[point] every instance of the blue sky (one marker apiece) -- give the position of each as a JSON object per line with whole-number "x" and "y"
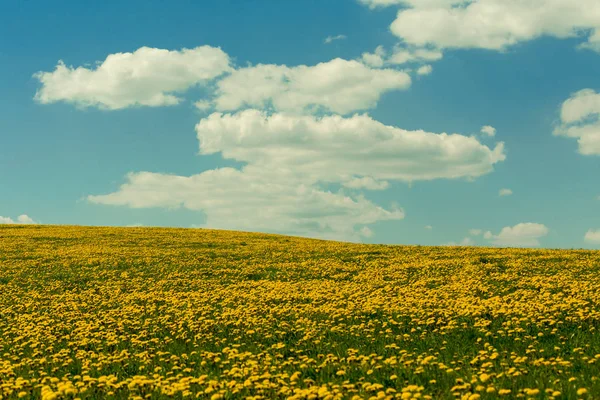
{"x": 265, "y": 125}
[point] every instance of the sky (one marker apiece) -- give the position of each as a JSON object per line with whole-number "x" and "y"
{"x": 431, "y": 122}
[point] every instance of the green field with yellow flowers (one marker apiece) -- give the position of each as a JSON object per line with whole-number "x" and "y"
{"x": 148, "y": 313}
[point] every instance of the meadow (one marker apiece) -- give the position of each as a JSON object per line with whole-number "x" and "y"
{"x": 151, "y": 313}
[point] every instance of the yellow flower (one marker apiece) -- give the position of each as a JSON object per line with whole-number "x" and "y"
{"x": 581, "y": 391}
{"x": 532, "y": 392}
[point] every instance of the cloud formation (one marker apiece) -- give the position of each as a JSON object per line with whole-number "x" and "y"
{"x": 488, "y": 130}
{"x": 147, "y": 77}
{"x": 525, "y": 234}
{"x": 327, "y": 148}
{"x": 288, "y": 158}
{"x": 505, "y": 192}
{"x": 255, "y": 199}
{"x": 330, "y": 39}
{"x": 467, "y": 241}
{"x": 580, "y": 119}
{"x": 21, "y": 219}
{"x": 338, "y": 86}
{"x": 592, "y": 236}
{"x": 414, "y": 3}
{"x": 399, "y": 55}
{"x": 424, "y": 70}
{"x": 494, "y": 24}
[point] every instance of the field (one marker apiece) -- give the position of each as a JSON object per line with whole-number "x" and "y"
{"x": 187, "y": 313}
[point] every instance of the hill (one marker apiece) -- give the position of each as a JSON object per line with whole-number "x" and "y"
{"x": 94, "y": 312}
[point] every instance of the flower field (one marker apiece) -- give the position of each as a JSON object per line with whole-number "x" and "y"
{"x": 149, "y": 313}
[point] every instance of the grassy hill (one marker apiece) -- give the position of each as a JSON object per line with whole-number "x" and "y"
{"x": 94, "y": 312}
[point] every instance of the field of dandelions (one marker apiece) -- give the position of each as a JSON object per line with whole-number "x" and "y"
{"x": 151, "y": 313}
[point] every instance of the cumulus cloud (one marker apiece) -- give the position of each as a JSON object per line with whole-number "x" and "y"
{"x": 414, "y": 3}
{"x": 375, "y": 59}
{"x": 21, "y": 219}
{"x": 488, "y": 130}
{"x": 147, "y": 77}
{"x": 467, "y": 241}
{"x": 330, "y": 39}
{"x": 380, "y": 3}
{"x": 592, "y": 236}
{"x": 403, "y": 55}
{"x": 475, "y": 232}
{"x": 254, "y": 199}
{"x": 203, "y": 105}
{"x": 424, "y": 70}
{"x": 327, "y": 148}
{"x": 521, "y": 235}
{"x": 428, "y": 227}
{"x": 288, "y": 156}
{"x": 580, "y": 119}
{"x": 505, "y": 192}
{"x": 339, "y": 86}
{"x": 366, "y": 231}
{"x": 494, "y": 24}
{"x": 399, "y": 55}
{"x": 365, "y": 182}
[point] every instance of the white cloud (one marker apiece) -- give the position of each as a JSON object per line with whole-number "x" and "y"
{"x": 375, "y": 59}
{"x": 21, "y": 219}
{"x": 580, "y": 119}
{"x": 521, "y": 235}
{"x": 366, "y": 231}
{"x": 288, "y": 156}
{"x": 592, "y": 236}
{"x": 6, "y": 220}
{"x": 134, "y": 225}
{"x": 493, "y": 24}
{"x": 327, "y": 149}
{"x": 403, "y": 55}
{"x": 203, "y": 105}
{"x": 505, "y": 192}
{"x": 475, "y": 232}
{"x": 380, "y": 3}
{"x": 428, "y": 227}
{"x": 488, "y": 130}
{"x": 399, "y": 55}
{"x": 421, "y": 3}
{"x": 339, "y": 86}
{"x": 254, "y": 199}
{"x": 330, "y": 39}
{"x": 467, "y": 241}
{"x": 365, "y": 182}
{"x": 424, "y": 70}
{"x": 146, "y": 77}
